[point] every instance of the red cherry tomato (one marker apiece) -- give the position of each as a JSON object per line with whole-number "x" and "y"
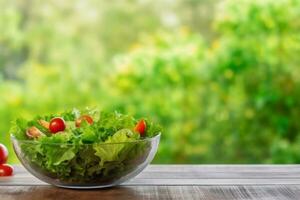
{"x": 6, "y": 170}
{"x": 86, "y": 118}
{"x": 140, "y": 127}
{"x": 3, "y": 154}
{"x": 57, "y": 124}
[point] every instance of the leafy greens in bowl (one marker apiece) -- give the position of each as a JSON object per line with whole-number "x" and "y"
{"x": 85, "y": 149}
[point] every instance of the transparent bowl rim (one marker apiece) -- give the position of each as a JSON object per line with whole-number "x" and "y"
{"x": 13, "y": 138}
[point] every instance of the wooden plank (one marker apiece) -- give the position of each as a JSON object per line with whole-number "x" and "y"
{"x": 193, "y": 175}
{"x": 279, "y": 192}
{"x": 291, "y": 169}
{"x": 224, "y": 168}
{"x": 173, "y": 182}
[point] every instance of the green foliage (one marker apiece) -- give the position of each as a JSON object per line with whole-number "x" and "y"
{"x": 227, "y": 95}
{"x": 161, "y": 78}
{"x": 255, "y": 66}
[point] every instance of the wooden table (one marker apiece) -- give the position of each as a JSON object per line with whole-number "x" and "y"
{"x": 172, "y": 182}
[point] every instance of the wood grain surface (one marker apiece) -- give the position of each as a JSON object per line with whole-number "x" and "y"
{"x": 173, "y": 182}
{"x": 279, "y": 192}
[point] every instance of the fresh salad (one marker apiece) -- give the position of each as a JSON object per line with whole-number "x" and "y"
{"x": 84, "y": 145}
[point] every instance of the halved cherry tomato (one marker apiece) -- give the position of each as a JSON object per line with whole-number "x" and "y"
{"x": 86, "y": 118}
{"x": 33, "y": 132}
{"x": 44, "y": 123}
{"x": 57, "y": 124}
{"x": 6, "y": 170}
{"x": 3, "y": 154}
{"x": 140, "y": 127}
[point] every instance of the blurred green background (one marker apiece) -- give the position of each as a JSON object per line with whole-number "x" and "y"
{"x": 222, "y": 77}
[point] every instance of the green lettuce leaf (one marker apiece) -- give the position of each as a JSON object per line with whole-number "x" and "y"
{"x": 122, "y": 141}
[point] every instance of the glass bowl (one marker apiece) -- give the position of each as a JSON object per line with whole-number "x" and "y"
{"x": 86, "y": 166}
